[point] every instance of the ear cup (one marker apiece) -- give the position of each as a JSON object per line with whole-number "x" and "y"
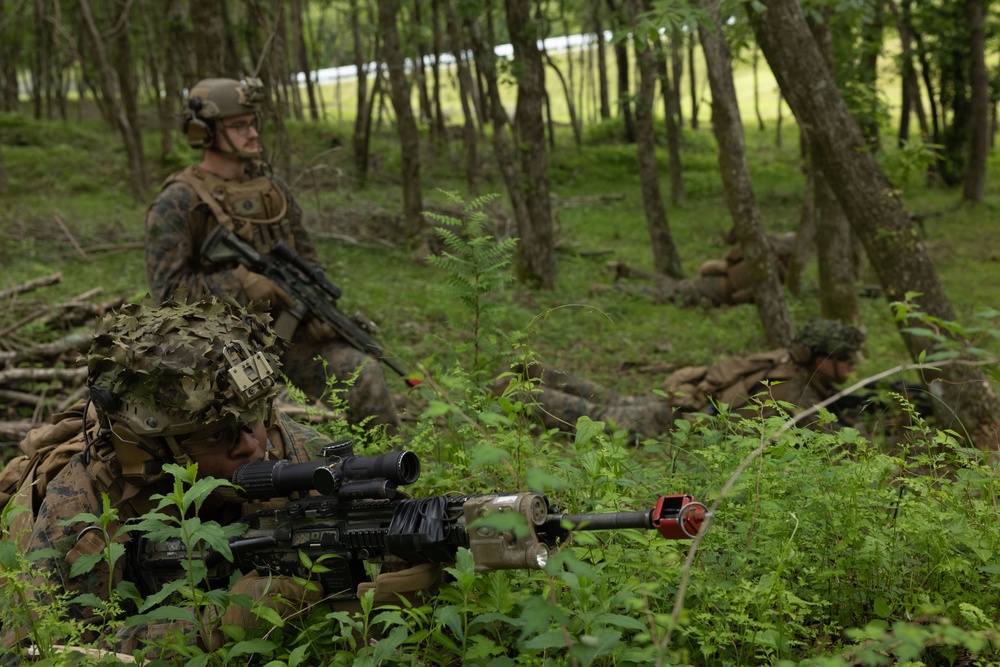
{"x": 199, "y": 133}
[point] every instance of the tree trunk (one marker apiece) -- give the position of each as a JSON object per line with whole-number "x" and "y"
{"x": 3, "y": 175}
{"x": 486, "y": 67}
{"x": 570, "y": 104}
{"x": 692, "y": 81}
{"x": 406, "y": 124}
{"x": 128, "y": 85}
{"x": 875, "y": 213}
{"x": 621, "y": 60}
{"x": 677, "y": 196}
{"x": 302, "y": 55}
{"x": 727, "y": 125}
{"x": 464, "y": 94}
{"x": 209, "y": 44}
{"x": 666, "y": 260}
{"x": 805, "y": 235}
{"x": 676, "y": 72}
{"x": 602, "y": 61}
{"x": 979, "y": 107}
{"x": 838, "y": 296}
{"x": 109, "y": 91}
{"x": 536, "y": 262}
{"x": 359, "y": 140}
{"x": 11, "y": 37}
{"x": 438, "y": 124}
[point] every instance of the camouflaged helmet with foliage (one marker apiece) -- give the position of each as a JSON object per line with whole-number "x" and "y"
{"x": 827, "y": 338}
{"x": 175, "y": 367}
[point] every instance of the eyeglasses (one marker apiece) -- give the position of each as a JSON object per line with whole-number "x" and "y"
{"x": 243, "y": 127}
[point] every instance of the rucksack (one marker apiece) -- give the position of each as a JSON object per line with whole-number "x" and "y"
{"x": 45, "y": 452}
{"x": 731, "y": 380}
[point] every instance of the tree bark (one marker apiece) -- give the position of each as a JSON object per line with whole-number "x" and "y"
{"x": 602, "y": 61}
{"x": 875, "y": 213}
{"x": 536, "y": 263}
{"x": 486, "y": 67}
{"x": 359, "y": 140}
{"x": 406, "y": 125}
{"x": 974, "y": 182}
{"x": 109, "y": 92}
{"x": 209, "y": 39}
{"x": 464, "y": 94}
{"x": 692, "y": 81}
{"x": 677, "y": 194}
{"x": 769, "y": 295}
{"x": 302, "y": 55}
{"x": 666, "y": 260}
{"x": 621, "y": 60}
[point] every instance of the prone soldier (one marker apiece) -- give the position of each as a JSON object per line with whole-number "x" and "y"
{"x": 820, "y": 357}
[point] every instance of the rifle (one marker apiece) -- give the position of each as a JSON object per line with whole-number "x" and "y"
{"x": 311, "y": 292}
{"x": 359, "y": 515}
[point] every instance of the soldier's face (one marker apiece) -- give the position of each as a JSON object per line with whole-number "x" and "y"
{"x": 242, "y": 134}
{"x": 219, "y": 452}
{"x": 835, "y": 371}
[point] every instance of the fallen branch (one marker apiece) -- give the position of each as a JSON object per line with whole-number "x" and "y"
{"x": 30, "y": 285}
{"x": 21, "y": 375}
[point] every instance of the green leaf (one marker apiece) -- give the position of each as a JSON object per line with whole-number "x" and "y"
{"x": 546, "y": 640}
{"x": 587, "y": 429}
{"x": 260, "y": 647}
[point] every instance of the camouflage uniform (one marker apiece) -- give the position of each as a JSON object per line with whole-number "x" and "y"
{"x": 78, "y": 488}
{"x": 784, "y": 375}
{"x": 177, "y": 224}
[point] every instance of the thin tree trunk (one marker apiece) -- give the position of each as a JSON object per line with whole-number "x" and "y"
{"x": 621, "y": 60}
{"x": 109, "y": 91}
{"x": 677, "y": 195}
{"x": 727, "y": 125}
{"x": 486, "y": 67}
{"x": 302, "y": 54}
{"x": 876, "y": 215}
{"x": 666, "y": 260}
{"x": 692, "y": 81}
{"x": 570, "y": 104}
{"x": 974, "y": 182}
{"x": 602, "y": 61}
{"x": 360, "y": 138}
{"x": 438, "y": 124}
{"x": 406, "y": 124}
{"x": 536, "y": 263}
{"x": 468, "y": 113}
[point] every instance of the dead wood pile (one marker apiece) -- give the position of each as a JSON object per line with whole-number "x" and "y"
{"x": 40, "y": 345}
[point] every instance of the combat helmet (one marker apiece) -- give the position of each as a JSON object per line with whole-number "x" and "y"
{"x": 827, "y": 338}
{"x": 160, "y": 372}
{"x": 210, "y": 100}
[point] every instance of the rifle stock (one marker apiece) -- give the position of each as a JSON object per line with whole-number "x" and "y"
{"x": 359, "y": 515}
{"x": 312, "y": 294}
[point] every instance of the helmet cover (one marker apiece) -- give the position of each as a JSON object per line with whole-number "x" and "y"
{"x": 830, "y": 338}
{"x": 175, "y": 368}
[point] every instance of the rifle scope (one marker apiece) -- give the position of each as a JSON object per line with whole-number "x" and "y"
{"x": 345, "y": 477}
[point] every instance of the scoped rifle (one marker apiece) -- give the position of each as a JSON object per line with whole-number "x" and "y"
{"x": 311, "y": 292}
{"x": 359, "y": 515}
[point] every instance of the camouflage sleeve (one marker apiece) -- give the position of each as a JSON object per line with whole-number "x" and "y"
{"x": 300, "y": 442}
{"x": 72, "y": 492}
{"x": 173, "y": 252}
